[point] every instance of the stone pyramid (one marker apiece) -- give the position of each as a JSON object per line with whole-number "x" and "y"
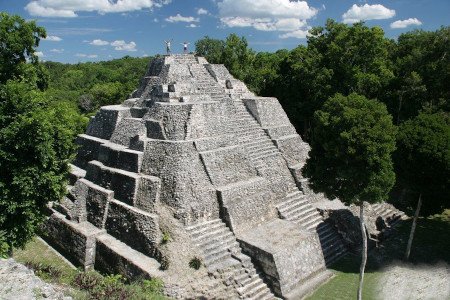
{"x": 195, "y": 167}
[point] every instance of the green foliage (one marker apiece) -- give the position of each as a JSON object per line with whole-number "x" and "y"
{"x": 18, "y": 40}
{"x": 350, "y": 155}
{"x": 165, "y": 238}
{"x": 44, "y": 270}
{"x": 211, "y": 49}
{"x": 4, "y": 247}
{"x": 35, "y": 146}
{"x": 421, "y": 63}
{"x": 195, "y": 263}
{"x": 153, "y": 286}
{"x": 422, "y": 160}
{"x": 91, "y": 85}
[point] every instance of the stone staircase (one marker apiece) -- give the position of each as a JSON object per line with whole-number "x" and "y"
{"x": 296, "y": 208}
{"x": 333, "y": 247}
{"x": 223, "y": 258}
{"x": 205, "y": 83}
{"x": 250, "y": 135}
{"x": 390, "y": 214}
{"x": 184, "y": 58}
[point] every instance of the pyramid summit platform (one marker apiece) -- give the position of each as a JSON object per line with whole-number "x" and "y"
{"x": 194, "y": 166}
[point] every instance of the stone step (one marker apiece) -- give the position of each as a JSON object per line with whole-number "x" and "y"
{"x": 299, "y": 213}
{"x": 226, "y": 264}
{"x": 263, "y": 154}
{"x": 220, "y": 253}
{"x": 314, "y": 222}
{"x": 329, "y": 250}
{"x": 292, "y": 205}
{"x": 258, "y": 143}
{"x": 212, "y": 244}
{"x": 249, "y": 284}
{"x": 194, "y": 227}
{"x": 262, "y": 294}
{"x": 330, "y": 240}
{"x": 262, "y": 149}
{"x": 290, "y": 198}
{"x": 210, "y": 263}
{"x": 325, "y": 228}
{"x": 334, "y": 256}
{"x": 247, "y": 128}
{"x": 216, "y": 234}
{"x": 250, "y": 137}
{"x": 256, "y": 289}
{"x": 223, "y": 244}
{"x": 325, "y": 235}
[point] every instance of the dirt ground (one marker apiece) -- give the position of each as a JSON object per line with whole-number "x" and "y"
{"x": 408, "y": 281}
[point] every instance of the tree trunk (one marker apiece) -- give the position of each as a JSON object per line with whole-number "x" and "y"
{"x": 413, "y": 227}
{"x": 363, "y": 249}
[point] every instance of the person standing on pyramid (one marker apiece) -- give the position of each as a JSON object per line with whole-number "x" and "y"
{"x": 168, "y": 46}
{"x": 185, "y": 47}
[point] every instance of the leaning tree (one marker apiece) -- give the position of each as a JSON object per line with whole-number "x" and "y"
{"x": 422, "y": 164}
{"x": 350, "y": 155}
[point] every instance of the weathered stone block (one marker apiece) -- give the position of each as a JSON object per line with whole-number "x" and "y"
{"x": 294, "y": 150}
{"x": 286, "y": 254}
{"x": 247, "y": 203}
{"x": 126, "y": 129}
{"x": 88, "y": 149}
{"x": 75, "y": 240}
{"x": 97, "y": 204}
{"x": 135, "y": 227}
{"x": 120, "y": 157}
{"x": 123, "y": 183}
{"x": 115, "y": 257}
{"x": 267, "y": 111}
{"x": 227, "y": 165}
{"x": 148, "y": 193}
{"x": 105, "y": 121}
{"x": 280, "y": 131}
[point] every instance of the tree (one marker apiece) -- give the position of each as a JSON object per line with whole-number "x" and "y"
{"x": 422, "y": 162}
{"x": 211, "y": 49}
{"x": 237, "y": 57}
{"x": 35, "y": 137}
{"x": 35, "y": 147}
{"x": 18, "y": 40}
{"x": 425, "y": 53}
{"x": 350, "y": 155}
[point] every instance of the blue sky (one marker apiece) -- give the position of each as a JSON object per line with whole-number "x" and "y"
{"x": 93, "y": 30}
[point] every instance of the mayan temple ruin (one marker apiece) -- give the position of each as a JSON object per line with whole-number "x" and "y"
{"x": 196, "y": 169}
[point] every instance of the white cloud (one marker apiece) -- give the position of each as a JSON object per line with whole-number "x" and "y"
{"x": 266, "y": 8}
{"x": 192, "y": 25}
{"x": 86, "y": 55}
{"x": 298, "y": 34}
{"x": 98, "y": 42}
{"x": 69, "y": 8}
{"x": 180, "y": 18}
{"x": 202, "y": 11}
{"x": 268, "y": 15}
{"x": 121, "y": 45}
{"x": 39, "y": 54}
{"x": 367, "y": 12}
{"x": 53, "y": 38}
{"x": 57, "y": 50}
{"x": 406, "y": 23}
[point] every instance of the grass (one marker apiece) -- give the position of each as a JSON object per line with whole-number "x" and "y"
{"x": 430, "y": 245}
{"x": 81, "y": 285}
